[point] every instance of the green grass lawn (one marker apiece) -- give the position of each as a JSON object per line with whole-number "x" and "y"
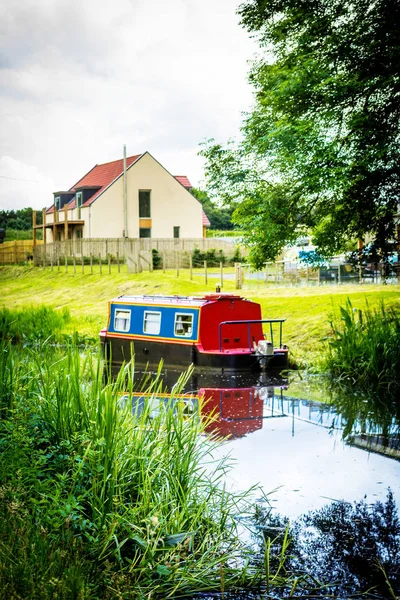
{"x": 306, "y": 310}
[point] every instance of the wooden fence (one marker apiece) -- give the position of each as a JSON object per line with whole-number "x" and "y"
{"x": 136, "y": 253}
{"x": 17, "y": 252}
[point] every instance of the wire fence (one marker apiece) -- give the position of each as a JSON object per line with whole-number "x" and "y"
{"x": 289, "y": 273}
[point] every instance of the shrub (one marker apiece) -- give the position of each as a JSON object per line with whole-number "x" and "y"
{"x": 157, "y": 260}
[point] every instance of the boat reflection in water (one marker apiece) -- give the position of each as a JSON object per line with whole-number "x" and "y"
{"x": 231, "y": 406}
{"x": 236, "y": 404}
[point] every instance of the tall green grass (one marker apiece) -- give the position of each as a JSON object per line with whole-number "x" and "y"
{"x": 106, "y": 500}
{"x": 364, "y": 346}
{"x": 33, "y": 323}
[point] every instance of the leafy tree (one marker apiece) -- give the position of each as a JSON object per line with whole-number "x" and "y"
{"x": 220, "y": 218}
{"x": 320, "y": 149}
{"x": 20, "y": 220}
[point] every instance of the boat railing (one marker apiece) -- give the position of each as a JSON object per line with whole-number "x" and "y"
{"x": 249, "y": 323}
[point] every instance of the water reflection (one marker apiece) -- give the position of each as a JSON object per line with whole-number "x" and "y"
{"x": 240, "y": 403}
{"x": 303, "y": 438}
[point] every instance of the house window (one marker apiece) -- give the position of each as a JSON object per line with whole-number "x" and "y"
{"x": 122, "y": 320}
{"x": 79, "y": 197}
{"x": 144, "y": 204}
{"x": 176, "y": 232}
{"x": 79, "y": 234}
{"x": 57, "y": 202}
{"x": 183, "y": 324}
{"x": 144, "y": 232}
{"x": 152, "y": 322}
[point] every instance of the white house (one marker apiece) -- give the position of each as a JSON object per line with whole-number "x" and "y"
{"x": 146, "y": 201}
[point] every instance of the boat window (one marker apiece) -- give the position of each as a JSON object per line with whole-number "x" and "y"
{"x": 122, "y": 320}
{"x": 183, "y": 324}
{"x": 152, "y": 322}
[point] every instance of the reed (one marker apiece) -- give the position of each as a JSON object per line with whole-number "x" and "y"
{"x": 106, "y": 498}
{"x": 364, "y": 346}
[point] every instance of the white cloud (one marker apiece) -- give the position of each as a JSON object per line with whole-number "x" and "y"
{"x": 80, "y": 79}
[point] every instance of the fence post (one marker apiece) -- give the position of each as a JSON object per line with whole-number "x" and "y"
{"x": 119, "y": 268}
{"x": 221, "y": 274}
{"x": 177, "y": 262}
{"x": 205, "y": 272}
{"x": 360, "y": 279}
{"x": 190, "y": 267}
{"x": 163, "y": 262}
{"x": 101, "y": 266}
{"x": 51, "y": 262}
{"x": 307, "y": 275}
{"x": 91, "y": 263}
{"x": 319, "y": 276}
{"x": 109, "y": 264}
{"x": 339, "y": 280}
{"x": 83, "y": 264}
{"x": 74, "y": 261}
{"x": 58, "y": 264}
{"x": 238, "y": 276}
{"x": 66, "y": 263}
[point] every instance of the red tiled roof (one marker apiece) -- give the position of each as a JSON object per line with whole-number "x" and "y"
{"x": 103, "y": 175}
{"x": 183, "y": 180}
{"x": 206, "y": 222}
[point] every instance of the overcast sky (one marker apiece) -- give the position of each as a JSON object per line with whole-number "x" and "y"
{"x": 81, "y": 78}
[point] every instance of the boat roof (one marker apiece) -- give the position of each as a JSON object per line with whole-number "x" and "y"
{"x": 175, "y": 300}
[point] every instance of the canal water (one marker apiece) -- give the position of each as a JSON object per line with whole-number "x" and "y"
{"x": 303, "y": 453}
{"x": 325, "y": 460}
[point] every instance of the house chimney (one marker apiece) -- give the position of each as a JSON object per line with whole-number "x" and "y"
{"x": 125, "y": 198}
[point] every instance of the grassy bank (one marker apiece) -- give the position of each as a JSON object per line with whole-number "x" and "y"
{"x": 307, "y": 310}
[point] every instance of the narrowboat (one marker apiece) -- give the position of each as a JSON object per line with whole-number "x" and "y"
{"x": 216, "y": 331}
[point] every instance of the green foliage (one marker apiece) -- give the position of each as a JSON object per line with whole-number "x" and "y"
{"x": 365, "y": 346}
{"x": 32, "y": 324}
{"x": 21, "y": 234}
{"x": 157, "y": 260}
{"x": 213, "y": 257}
{"x": 219, "y": 217}
{"x": 18, "y": 219}
{"x": 99, "y": 495}
{"x": 320, "y": 148}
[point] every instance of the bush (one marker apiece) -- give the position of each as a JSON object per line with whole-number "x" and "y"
{"x": 157, "y": 260}
{"x": 212, "y": 256}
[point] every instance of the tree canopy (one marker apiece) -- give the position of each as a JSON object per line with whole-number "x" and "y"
{"x": 20, "y": 220}
{"x": 219, "y": 217}
{"x": 320, "y": 148}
